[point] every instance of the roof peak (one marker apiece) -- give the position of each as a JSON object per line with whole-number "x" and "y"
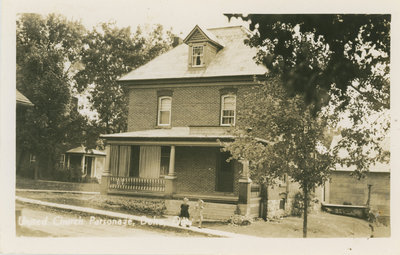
{"x": 207, "y": 36}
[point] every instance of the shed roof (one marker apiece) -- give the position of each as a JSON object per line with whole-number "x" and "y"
{"x": 235, "y": 59}
{"x": 23, "y": 100}
{"x": 82, "y": 150}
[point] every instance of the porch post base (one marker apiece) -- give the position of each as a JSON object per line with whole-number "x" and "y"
{"x": 244, "y": 209}
{"x": 105, "y": 183}
{"x": 244, "y": 190}
{"x": 170, "y": 185}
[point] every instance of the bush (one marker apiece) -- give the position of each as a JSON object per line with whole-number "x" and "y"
{"x": 298, "y": 206}
{"x": 141, "y": 207}
{"x": 240, "y": 220}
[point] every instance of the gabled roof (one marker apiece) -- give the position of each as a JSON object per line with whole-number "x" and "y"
{"x": 235, "y": 59}
{"x": 82, "y": 150}
{"x": 22, "y": 100}
{"x": 199, "y": 34}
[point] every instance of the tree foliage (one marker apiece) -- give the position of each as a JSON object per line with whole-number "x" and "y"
{"x": 348, "y": 48}
{"x": 46, "y": 48}
{"x": 279, "y": 135}
{"x": 109, "y": 52}
{"x": 340, "y": 63}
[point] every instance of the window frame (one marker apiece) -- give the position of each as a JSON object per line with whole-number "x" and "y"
{"x": 201, "y": 56}
{"x": 159, "y": 111}
{"x": 62, "y": 160}
{"x": 222, "y": 111}
{"x": 32, "y": 158}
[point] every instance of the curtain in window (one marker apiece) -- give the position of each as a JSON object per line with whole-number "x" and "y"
{"x": 114, "y": 158}
{"x": 124, "y": 160}
{"x": 149, "y": 163}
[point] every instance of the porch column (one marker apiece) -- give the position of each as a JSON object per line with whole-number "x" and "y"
{"x": 245, "y": 189}
{"x": 106, "y": 176}
{"x": 170, "y": 179}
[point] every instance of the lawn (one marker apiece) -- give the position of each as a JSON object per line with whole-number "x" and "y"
{"x": 122, "y": 204}
{"x": 321, "y": 225}
{"x": 24, "y": 183}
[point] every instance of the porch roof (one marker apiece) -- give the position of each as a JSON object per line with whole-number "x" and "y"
{"x": 82, "y": 150}
{"x": 180, "y": 133}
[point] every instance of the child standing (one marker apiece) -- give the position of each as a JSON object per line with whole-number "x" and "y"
{"x": 184, "y": 215}
{"x": 199, "y": 212}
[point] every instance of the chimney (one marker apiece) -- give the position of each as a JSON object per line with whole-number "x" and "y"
{"x": 176, "y": 41}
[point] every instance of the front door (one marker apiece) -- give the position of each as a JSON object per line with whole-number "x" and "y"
{"x": 224, "y": 173}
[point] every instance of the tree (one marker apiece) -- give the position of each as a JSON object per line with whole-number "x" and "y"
{"x": 332, "y": 67}
{"x": 279, "y": 135}
{"x": 47, "y": 48}
{"x": 109, "y": 52}
{"x": 355, "y": 49}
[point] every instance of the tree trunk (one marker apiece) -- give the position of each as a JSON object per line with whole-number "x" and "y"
{"x": 264, "y": 201}
{"x": 305, "y": 214}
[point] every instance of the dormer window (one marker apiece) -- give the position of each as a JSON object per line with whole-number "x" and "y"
{"x": 198, "y": 56}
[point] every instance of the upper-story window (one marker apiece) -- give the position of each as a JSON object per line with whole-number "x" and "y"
{"x": 228, "y": 110}
{"x": 164, "y": 111}
{"x": 198, "y": 56}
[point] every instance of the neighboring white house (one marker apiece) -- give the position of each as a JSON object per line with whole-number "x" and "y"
{"x": 91, "y": 161}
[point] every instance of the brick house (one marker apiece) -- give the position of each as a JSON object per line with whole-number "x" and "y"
{"x": 181, "y": 105}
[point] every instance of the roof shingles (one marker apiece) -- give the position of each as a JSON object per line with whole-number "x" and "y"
{"x": 234, "y": 59}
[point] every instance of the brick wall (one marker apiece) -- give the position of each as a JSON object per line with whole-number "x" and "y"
{"x": 195, "y": 168}
{"x": 345, "y": 188}
{"x": 191, "y": 106}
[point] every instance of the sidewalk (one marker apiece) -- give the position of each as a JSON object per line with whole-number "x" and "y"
{"x": 162, "y": 223}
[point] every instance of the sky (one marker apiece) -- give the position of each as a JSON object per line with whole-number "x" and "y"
{"x": 181, "y": 16}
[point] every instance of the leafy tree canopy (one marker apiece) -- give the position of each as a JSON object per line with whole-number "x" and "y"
{"x": 349, "y": 50}
{"x": 108, "y": 53}
{"x": 47, "y": 47}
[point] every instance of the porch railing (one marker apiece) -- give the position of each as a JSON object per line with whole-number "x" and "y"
{"x": 255, "y": 190}
{"x": 137, "y": 184}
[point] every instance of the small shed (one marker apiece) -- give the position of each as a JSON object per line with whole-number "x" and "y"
{"x": 90, "y": 161}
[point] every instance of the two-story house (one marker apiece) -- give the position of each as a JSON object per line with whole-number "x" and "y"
{"x": 181, "y": 105}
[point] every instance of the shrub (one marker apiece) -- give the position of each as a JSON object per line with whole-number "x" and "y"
{"x": 298, "y": 205}
{"x": 240, "y": 220}
{"x": 141, "y": 207}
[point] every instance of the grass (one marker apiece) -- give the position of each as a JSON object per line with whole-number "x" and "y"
{"x": 320, "y": 225}
{"x": 25, "y": 183}
{"x": 122, "y": 204}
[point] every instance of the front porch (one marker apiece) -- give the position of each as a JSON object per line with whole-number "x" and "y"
{"x": 169, "y": 167}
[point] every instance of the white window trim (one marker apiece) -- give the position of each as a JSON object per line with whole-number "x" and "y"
{"x": 32, "y": 158}
{"x": 222, "y": 111}
{"x": 159, "y": 111}
{"x": 194, "y": 64}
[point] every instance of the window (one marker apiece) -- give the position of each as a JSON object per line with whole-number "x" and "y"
{"x": 62, "y": 161}
{"x": 228, "y": 109}
{"x": 164, "y": 111}
{"x": 197, "y": 56}
{"x": 32, "y": 158}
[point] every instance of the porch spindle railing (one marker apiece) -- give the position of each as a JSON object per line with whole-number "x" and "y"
{"x": 137, "y": 184}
